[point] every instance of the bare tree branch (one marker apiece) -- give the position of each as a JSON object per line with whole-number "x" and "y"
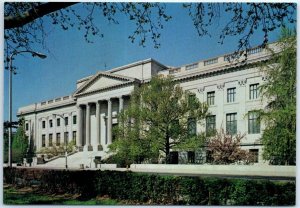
{"x": 34, "y": 13}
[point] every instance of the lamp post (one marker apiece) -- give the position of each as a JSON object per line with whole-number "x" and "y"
{"x": 66, "y": 151}
{"x": 11, "y": 71}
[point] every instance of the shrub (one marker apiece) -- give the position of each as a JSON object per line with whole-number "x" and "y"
{"x": 156, "y": 189}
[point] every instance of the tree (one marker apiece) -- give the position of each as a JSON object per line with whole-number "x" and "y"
{"x": 25, "y": 22}
{"x": 279, "y": 136}
{"x": 226, "y": 149}
{"x": 56, "y": 150}
{"x": 19, "y": 143}
{"x": 161, "y": 117}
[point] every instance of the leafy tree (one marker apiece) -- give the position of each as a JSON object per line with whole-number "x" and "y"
{"x": 19, "y": 143}
{"x": 279, "y": 136}
{"x": 225, "y": 149}
{"x": 26, "y": 23}
{"x": 160, "y": 118}
{"x": 55, "y": 150}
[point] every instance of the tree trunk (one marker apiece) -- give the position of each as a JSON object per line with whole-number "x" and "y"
{"x": 167, "y": 150}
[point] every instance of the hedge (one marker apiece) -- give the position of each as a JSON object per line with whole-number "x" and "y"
{"x": 155, "y": 189}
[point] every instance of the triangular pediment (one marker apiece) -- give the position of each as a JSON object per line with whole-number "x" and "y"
{"x": 102, "y": 80}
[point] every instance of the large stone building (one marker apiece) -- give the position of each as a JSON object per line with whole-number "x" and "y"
{"x": 88, "y": 115}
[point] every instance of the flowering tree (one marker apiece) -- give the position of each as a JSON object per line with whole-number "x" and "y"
{"x": 225, "y": 149}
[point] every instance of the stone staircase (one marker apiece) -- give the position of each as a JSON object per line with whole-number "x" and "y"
{"x": 75, "y": 160}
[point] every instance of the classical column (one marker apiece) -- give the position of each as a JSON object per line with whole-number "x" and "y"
{"x": 109, "y": 122}
{"x": 70, "y": 127}
{"x": 98, "y": 127}
{"x": 79, "y": 129}
{"x": 47, "y": 126}
{"x": 121, "y": 103}
{"x": 88, "y": 127}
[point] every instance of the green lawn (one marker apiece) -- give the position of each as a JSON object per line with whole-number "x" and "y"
{"x": 13, "y": 196}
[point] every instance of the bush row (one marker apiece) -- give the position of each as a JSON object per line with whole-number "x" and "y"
{"x": 156, "y": 189}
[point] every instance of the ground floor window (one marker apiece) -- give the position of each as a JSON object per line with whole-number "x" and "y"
{"x": 209, "y": 158}
{"x": 173, "y": 157}
{"x": 74, "y": 137}
{"x": 254, "y": 152}
{"x": 66, "y": 138}
{"x": 50, "y": 140}
{"x": 43, "y": 140}
{"x": 58, "y": 139}
{"x": 191, "y": 157}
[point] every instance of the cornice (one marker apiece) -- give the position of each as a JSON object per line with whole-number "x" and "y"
{"x": 42, "y": 109}
{"x": 94, "y": 78}
{"x": 105, "y": 89}
{"x": 218, "y": 71}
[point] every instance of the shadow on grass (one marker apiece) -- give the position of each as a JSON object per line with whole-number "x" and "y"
{"x": 14, "y": 196}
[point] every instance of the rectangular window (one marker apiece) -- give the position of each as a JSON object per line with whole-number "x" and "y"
{"x": 191, "y": 157}
{"x": 210, "y": 61}
{"x": 26, "y": 126}
{"x": 66, "y": 138}
{"x": 231, "y": 123}
{"x": 191, "y": 66}
{"x": 74, "y": 137}
{"x": 43, "y": 124}
{"x": 74, "y": 119}
{"x": 231, "y": 95}
{"x": 192, "y": 126}
{"x": 254, "y": 152}
{"x": 50, "y": 140}
{"x": 254, "y": 50}
{"x": 210, "y": 125}
{"x": 211, "y": 98}
{"x": 57, "y": 139}
{"x": 253, "y": 91}
{"x": 253, "y": 123}
{"x": 50, "y": 123}
{"x": 43, "y": 140}
{"x": 58, "y": 122}
{"x": 66, "y": 121}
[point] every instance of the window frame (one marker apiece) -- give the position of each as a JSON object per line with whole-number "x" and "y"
{"x": 231, "y": 123}
{"x": 253, "y": 123}
{"x": 193, "y": 121}
{"x": 253, "y": 91}
{"x": 209, "y": 124}
{"x": 43, "y": 140}
{"x": 66, "y": 137}
{"x": 57, "y": 139}
{"x": 58, "y": 122}
{"x": 74, "y": 119}
{"x": 231, "y": 94}
{"x": 66, "y": 119}
{"x": 50, "y": 140}
{"x": 210, "y": 97}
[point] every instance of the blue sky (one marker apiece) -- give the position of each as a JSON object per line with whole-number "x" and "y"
{"x": 72, "y": 58}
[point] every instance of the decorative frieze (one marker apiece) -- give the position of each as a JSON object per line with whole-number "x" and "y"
{"x": 265, "y": 78}
{"x": 221, "y": 86}
{"x": 242, "y": 82}
{"x": 201, "y": 89}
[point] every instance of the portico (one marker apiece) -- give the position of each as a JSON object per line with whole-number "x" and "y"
{"x": 95, "y": 121}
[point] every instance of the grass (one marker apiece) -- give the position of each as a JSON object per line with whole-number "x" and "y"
{"x": 26, "y": 196}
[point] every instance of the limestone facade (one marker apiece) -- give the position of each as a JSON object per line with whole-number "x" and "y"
{"x": 88, "y": 115}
